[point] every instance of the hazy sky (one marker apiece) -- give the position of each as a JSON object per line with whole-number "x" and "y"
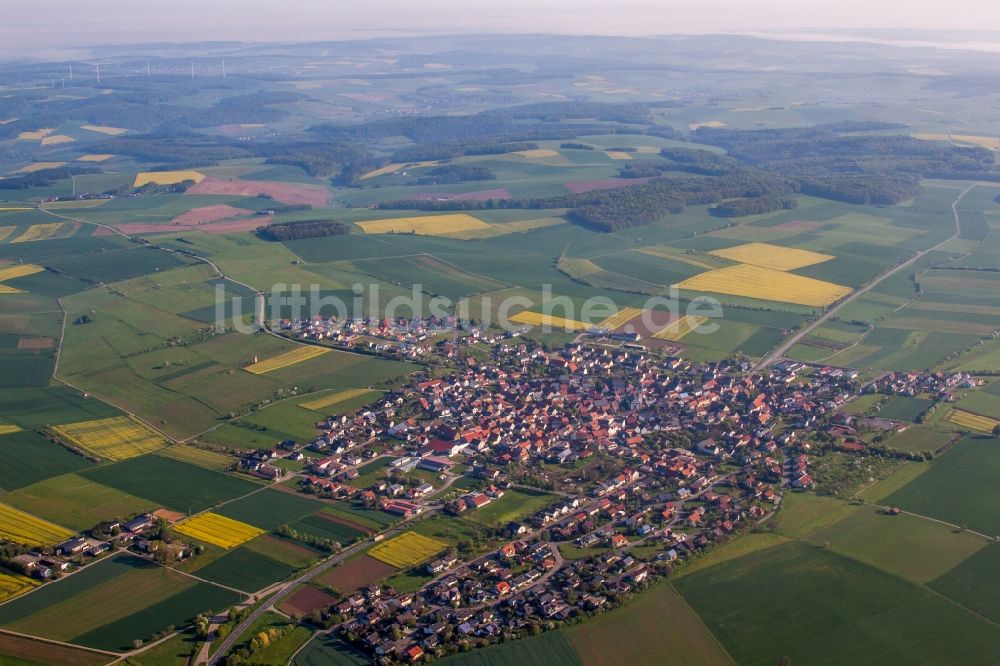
{"x": 51, "y": 25}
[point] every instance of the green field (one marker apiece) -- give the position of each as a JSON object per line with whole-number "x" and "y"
{"x": 904, "y": 408}
{"x": 801, "y": 514}
{"x": 814, "y": 606}
{"x": 77, "y": 502}
{"x": 919, "y": 438}
{"x": 326, "y": 650}
{"x": 550, "y": 648}
{"x": 244, "y": 569}
{"x": 970, "y": 582}
{"x": 170, "y": 483}
{"x": 682, "y": 639}
{"x": 326, "y": 529}
{"x": 90, "y": 609}
{"x": 35, "y": 407}
{"x": 915, "y": 548}
{"x": 269, "y": 509}
{"x": 960, "y": 487}
{"x": 37, "y": 459}
{"x": 514, "y": 505}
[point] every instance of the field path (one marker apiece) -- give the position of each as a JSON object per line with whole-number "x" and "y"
{"x": 309, "y": 574}
{"x": 778, "y": 353}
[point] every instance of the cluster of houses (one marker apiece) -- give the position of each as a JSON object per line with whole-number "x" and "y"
{"x": 410, "y": 337}
{"x": 76, "y": 551}
{"x": 939, "y": 384}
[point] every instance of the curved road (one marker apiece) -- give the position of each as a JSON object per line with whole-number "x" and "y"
{"x": 787, "y": 344}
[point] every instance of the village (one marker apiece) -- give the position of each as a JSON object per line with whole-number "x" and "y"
{"x": 641, "y": 462}
{"x": 641, "y": 454}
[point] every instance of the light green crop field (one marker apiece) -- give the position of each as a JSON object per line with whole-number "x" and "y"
{"x": 760, "y": 606}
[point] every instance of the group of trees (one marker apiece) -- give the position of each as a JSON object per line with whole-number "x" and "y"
{"x": 44, "y": 177}
{"x": 626, "y": 207}
{"x": 323, "y": 543}
{"x": 453, "y": 173}
{"x": 286, "y": 231}
{"x": 845, "y": 162}
{"x": 751, "y": 206}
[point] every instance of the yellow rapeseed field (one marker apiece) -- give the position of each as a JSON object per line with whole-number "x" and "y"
{"x": 102, "y": 129}
{"x": 620, "y": 318}
{"x": 535, "y": 319}
{"x": 56, "y": 139}
{"x": 38, "y": 166}
{"x": 407, "y": 550}
{"x": 575, "y": 267}
{"x": 991, "y": 142}
{"x": 971, "y": 420}
{"x": 115, "y": 438}
{"x": 18, "y": 270}
{"x": 396, "y": 166}
{"x": 11, "y": 585}
{"x": 772, "y": 256}
{"x": 6, "y": 231}
{"x": 21, "y": 527}
{"x": 297, "y": 355}
{"x": 6, "y": 428}
{"x": 537, "y": 152}
{"x": 167, "y": 177}
{"x": 98, "y": 157}
{"x": 36, "y": 135}
{"x": 674, "y": 254}
{"x": 768, "y": 284}
{"x": 712, "y": 124}
{"x": 680, "y": 327}
{"x": 618, "y": 154}
{"x": 217, "y": 530}
{"x": 333, "y": 399}
{"x": 39, "y": 232}
{"x": 7, "y": 289}
{"x": 426, "y": 225}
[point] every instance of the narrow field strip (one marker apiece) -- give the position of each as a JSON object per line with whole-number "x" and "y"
{"x": 535, "y": 319}
{"x": 676, "y": 330}
{"x": 18, "y": 270}
{"x": 971, "y": 420}
{"x": 297, "y": 355}
{"x": 327, "y": 401}
{"x": 620, "y": 318}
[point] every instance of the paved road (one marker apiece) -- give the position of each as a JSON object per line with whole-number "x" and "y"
{"x": 785, "y": 346}
{"x": 230, "y": 640}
